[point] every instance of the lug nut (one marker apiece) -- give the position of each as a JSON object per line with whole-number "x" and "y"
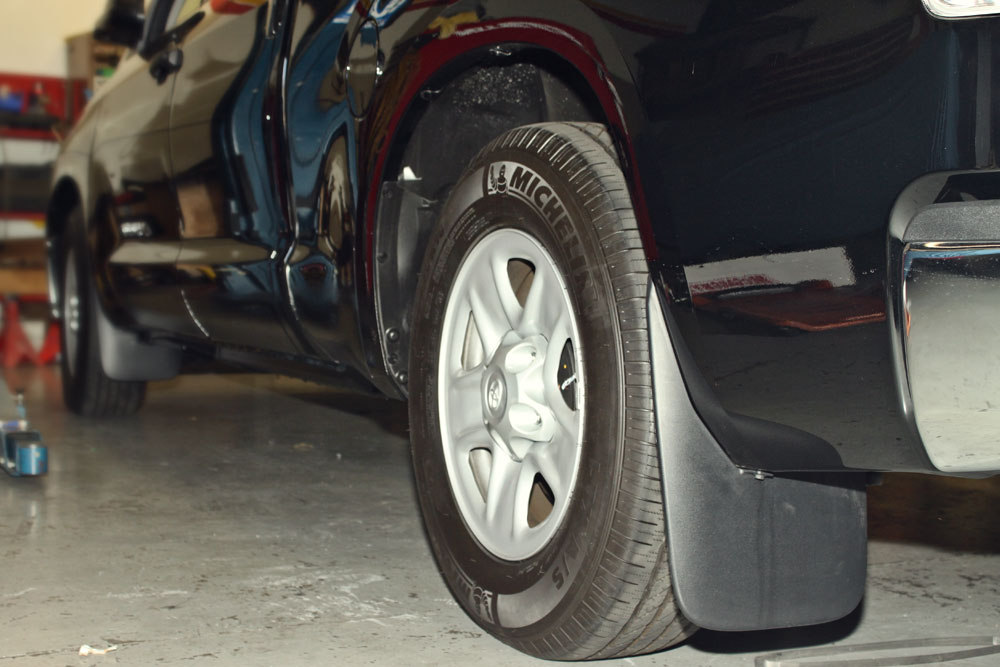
{"x": 524, "y": 418}
{"x": 520, "y": 357}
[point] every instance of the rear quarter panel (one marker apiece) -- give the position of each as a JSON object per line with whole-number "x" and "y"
{"x": 775, "y": 140}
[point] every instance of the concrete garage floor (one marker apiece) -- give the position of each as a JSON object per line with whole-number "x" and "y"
{"x": 253, "y": 520}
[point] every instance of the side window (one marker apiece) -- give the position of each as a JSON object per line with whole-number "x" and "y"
{"x": 182, "y": 11}
{"x": 161, "y": 17}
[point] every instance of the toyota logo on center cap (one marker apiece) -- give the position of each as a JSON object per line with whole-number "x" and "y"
{"x": 494, "y": 396}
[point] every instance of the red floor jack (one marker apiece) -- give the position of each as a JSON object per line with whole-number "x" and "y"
{"x": 22, "y": 453}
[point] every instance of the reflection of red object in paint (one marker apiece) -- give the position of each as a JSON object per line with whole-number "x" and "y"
{"x": 710, "y": 287}
{"x": 235, "y": 6}
{"x": 314, "y": 271}
{"x": 809, "y": 306}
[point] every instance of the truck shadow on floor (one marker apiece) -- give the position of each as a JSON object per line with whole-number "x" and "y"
{"x": 946, "y": 512}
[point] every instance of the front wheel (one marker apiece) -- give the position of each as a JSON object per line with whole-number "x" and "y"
{"x": 531, "y": 406}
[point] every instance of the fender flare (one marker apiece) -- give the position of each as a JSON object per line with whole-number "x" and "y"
{"x": 457, "y": 45}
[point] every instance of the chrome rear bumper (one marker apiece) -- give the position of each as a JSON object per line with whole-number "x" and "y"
{"x": 948, "y": 322}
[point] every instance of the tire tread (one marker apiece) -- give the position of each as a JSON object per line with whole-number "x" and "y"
{"x": 629, "y": 608}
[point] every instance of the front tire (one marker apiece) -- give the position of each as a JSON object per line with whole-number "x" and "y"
{"x": 531, "y": 405}
{"x": 87, "y": 390}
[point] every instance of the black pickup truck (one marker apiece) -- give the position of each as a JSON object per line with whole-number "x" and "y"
{"x": 664, "y": 283}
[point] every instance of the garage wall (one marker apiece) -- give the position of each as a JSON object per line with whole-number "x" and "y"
{"x": 32, "y": 33}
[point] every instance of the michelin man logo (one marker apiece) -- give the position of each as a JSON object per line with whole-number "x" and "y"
{"x": 516, "y": 180}
{"x": 498, "y": 185}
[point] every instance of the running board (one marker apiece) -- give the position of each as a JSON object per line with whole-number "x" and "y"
{"x": 750, "y": 550}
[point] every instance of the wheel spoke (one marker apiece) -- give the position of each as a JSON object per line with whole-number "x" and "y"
{"x": 487, "y": 308}
{"x": 536, "y": 306}
{"x": 505, "y": 292}
{"x": 554, "y": 461}
{"x": 469, "y": 439}
{"x": 463, "y": 461}
{"x": 457, "y": 340}
{"x": 503, "y": 496}
{"x": 465, "y": 409}
{"x": 557, "y": 336}
{"x": 544, "y": 305}
{"x": 522, "y": 498}
{"x": 569, "y": 420}
{"x": 466, "y": 383}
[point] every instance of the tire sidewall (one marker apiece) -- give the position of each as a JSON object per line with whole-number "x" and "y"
{"x": 74, "y": 371}
{"x": 555, "y": 577}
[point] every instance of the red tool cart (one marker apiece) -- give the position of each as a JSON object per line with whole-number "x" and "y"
{"x": 34, "y": 113}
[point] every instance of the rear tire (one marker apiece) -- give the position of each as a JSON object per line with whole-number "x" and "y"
{"x": 567, "y": 559}
{"x": 87, "y": 390}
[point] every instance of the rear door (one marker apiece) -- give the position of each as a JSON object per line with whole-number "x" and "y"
{"x": 232, "y": 230}
{"x": 332, "y": 73}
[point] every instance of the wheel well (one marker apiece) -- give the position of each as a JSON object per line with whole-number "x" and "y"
{"x": 469, "y": 108}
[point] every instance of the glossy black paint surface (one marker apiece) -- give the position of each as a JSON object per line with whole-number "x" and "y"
{"x": 784, "y": 139}
{"x": 321, "y": 269}
{"x": 233, "y": 233}
{"x": 765, "y": 142}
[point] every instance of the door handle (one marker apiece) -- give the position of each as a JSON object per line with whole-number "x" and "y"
{"x": 166, "y": 64}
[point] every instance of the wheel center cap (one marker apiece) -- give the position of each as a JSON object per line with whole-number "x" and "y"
{"x": 494, "y": 396}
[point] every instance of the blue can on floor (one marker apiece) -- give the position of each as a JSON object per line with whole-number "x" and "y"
{"x": 23, "y": 454}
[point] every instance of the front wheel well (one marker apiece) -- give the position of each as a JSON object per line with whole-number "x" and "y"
{"x": 454, "y": 117}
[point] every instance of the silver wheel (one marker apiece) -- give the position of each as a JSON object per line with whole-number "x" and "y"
{"x": 535, "y": 449}
{"x": 71, "y": 309}
{"x": 510, "y": 394}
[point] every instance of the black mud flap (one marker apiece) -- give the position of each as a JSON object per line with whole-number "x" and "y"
{"x": 748, "y": 550}
{"x": 124, "y": 357}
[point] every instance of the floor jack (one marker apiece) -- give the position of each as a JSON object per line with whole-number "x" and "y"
{"x": 22, "y": 453}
